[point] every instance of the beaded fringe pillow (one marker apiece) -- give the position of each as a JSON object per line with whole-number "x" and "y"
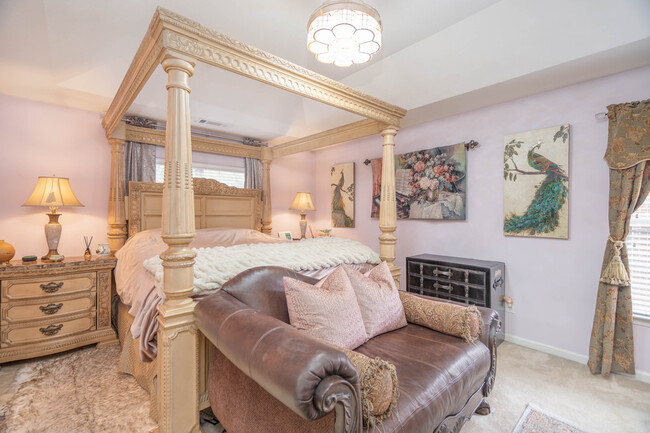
{"x": 328, "y": 311}
{"x": 460, "y": 321}
{"x": 378, "y": 299}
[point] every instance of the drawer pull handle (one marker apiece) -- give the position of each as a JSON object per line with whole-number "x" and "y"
{"x": 51, "y": 330}
{"x": 51, "y": 287}
{"x": 51, "y": 308}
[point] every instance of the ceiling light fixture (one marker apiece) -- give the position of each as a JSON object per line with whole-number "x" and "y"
{"x": 344, "y": 32}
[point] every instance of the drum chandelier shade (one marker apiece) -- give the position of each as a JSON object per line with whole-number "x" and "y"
{"x": 344, "y": 32}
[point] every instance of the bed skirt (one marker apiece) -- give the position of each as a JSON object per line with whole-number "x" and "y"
{"x": 145, "y": 373}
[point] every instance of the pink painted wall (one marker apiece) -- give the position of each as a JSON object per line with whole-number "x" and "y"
{"x": 289, "y": 175}
{"x": 553, "y": 282}
{"x": 38, "y": 139}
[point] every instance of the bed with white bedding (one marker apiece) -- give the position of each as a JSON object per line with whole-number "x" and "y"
{"x": 221, "y": 253}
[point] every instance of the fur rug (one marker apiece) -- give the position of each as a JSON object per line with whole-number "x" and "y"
{"x": 64, "y": 393}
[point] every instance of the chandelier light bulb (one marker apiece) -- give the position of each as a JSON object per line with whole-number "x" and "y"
{"x": 344, "y": 32}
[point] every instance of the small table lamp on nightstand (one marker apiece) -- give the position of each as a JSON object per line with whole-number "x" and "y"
{"x": 302, "y": 202}
{"x": 53, "y": 192}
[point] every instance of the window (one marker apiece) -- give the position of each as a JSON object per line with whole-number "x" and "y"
{"x": 232, "y": 176}
{"x": 638, "y": 249}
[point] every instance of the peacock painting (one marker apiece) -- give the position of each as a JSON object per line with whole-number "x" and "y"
{"x": 536, "y": 173}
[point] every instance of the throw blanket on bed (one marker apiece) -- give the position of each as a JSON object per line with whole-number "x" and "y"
{"x": 214, "y": 266}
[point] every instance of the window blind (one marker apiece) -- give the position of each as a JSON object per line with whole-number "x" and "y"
{"x": 638, "y": 252}
{"x": 232, "y": 176}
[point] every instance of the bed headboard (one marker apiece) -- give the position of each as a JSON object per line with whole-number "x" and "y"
{"x": 215, "y": 205}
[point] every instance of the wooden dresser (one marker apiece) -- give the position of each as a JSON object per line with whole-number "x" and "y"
{"x": 51, "y": 307}
{"x": 470, "y": 281}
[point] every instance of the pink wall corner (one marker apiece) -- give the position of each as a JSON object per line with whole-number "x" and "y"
{"x": 553, "y": 282}
{"x": 38, "y": 139}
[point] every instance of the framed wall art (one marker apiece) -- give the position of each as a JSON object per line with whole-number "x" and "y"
{"x": 536, "y": 183}
{"x": 429, "y": 184}
{"x": 342, "y": 185}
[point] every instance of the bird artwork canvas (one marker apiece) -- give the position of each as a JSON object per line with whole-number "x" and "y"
{"x": 536, "y": 183}
{"x": 342, "y": 185}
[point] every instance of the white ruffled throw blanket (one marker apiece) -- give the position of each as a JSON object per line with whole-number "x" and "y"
{"x": 214, "y": 266}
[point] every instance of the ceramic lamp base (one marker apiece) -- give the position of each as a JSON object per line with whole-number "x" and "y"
{"x": 52, "y": 235}
{"x": 303, "y": 225}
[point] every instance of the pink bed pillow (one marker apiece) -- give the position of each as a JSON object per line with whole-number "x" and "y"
{"x": 378, "y": 298}
{"x": 328, "y": 311}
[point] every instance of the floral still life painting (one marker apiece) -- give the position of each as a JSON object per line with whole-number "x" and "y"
{"x": 342, "y": 185}
{"x": 536, "y": 183}
{"x": 429, "y": 184}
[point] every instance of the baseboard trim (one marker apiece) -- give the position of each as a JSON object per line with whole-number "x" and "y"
{"x": 642, "y": 376}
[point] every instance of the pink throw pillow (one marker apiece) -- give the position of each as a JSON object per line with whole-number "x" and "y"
{"x": 328, "y": 311}
{"x": 378, "y": 298}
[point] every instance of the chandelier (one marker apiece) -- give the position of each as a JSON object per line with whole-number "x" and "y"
{"x": 344, "y": 32}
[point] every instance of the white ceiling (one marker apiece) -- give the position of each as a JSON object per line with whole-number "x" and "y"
{"x": 440, "y": 57}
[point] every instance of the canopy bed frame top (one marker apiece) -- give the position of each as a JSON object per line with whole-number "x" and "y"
{"x": 178, "y": 43}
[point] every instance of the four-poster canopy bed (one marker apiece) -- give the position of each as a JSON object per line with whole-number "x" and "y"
{"x": 178, "y": 44}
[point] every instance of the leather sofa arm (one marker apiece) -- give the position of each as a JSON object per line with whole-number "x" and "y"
{"x": 306, "y": 375}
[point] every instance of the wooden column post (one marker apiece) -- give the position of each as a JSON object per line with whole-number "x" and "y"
{"x": 178, "y": 344}
{"x": 266, "y": 190}
{"x": 388, "y": 205}
{"x": 116, "y": 211}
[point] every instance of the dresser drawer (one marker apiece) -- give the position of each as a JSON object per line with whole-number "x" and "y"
{"x": 17, "y": 334}
{"x": 43, "y": 309}
{"x": 29, "y": 288}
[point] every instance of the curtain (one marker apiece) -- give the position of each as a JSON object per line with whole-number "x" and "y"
{"x": 612, "y": 342}
{"x": 140, "y": 163}
{"x": 252, "y": 173}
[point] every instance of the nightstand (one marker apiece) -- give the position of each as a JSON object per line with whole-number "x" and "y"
{"x": 50, "y": 307}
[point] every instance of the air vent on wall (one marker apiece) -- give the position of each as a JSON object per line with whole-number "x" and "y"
{"x": 212, "y": 123}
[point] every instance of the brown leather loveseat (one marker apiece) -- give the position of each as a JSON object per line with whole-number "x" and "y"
{"x": 265, "y": 376}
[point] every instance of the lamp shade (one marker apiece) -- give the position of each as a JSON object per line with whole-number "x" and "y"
{"x": 52, "y": 192}
{"x": 302, "y": 202}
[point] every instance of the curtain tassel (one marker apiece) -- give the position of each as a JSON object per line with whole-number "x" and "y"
{"x": 615, "y": 272}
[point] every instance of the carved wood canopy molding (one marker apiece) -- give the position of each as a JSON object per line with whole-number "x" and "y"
{"x": 201, "y": 144}
{"x": 173, "y": 33}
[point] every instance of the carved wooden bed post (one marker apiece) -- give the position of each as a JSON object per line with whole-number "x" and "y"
{"x": 267, "y": 156}
{"x": 178, "y": 343}
{"x": 116, "y": 211}
{"x": 388, "y": 205}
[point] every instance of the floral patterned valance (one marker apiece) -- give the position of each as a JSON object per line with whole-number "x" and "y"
{"x": 629, "y": 134}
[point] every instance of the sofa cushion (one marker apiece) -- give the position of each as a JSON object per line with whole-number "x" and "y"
{"x": 450, "y": 318}
{"x": 329, "y": 311}
{"x": 378, "y": 299}
{"x": 437, "y": 374}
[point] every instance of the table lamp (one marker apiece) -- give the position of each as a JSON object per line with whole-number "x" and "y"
{"x": 302, "y": 202}
{"x": 53, "y": 192}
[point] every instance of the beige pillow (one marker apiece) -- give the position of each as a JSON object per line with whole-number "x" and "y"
{"x": 329, "y": 311}
{"x": 378, "y": 299}
{"x": 452, "y": 319}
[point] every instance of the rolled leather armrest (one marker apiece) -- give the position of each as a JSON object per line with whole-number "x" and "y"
{"x": 308, "y": 376}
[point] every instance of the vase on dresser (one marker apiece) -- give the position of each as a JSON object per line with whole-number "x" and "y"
{"x": 7, "y": 252}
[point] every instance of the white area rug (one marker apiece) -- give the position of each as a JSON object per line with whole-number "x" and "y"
{"x": 535, "y": 420}
{"x": 80, "y": 391}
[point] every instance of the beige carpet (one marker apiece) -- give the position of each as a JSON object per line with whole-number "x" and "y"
{"x": 79, "y": 391}
{"x": 565, "y": 389}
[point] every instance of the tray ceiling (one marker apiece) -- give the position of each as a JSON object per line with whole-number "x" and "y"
{"x": 439, "y": 57}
